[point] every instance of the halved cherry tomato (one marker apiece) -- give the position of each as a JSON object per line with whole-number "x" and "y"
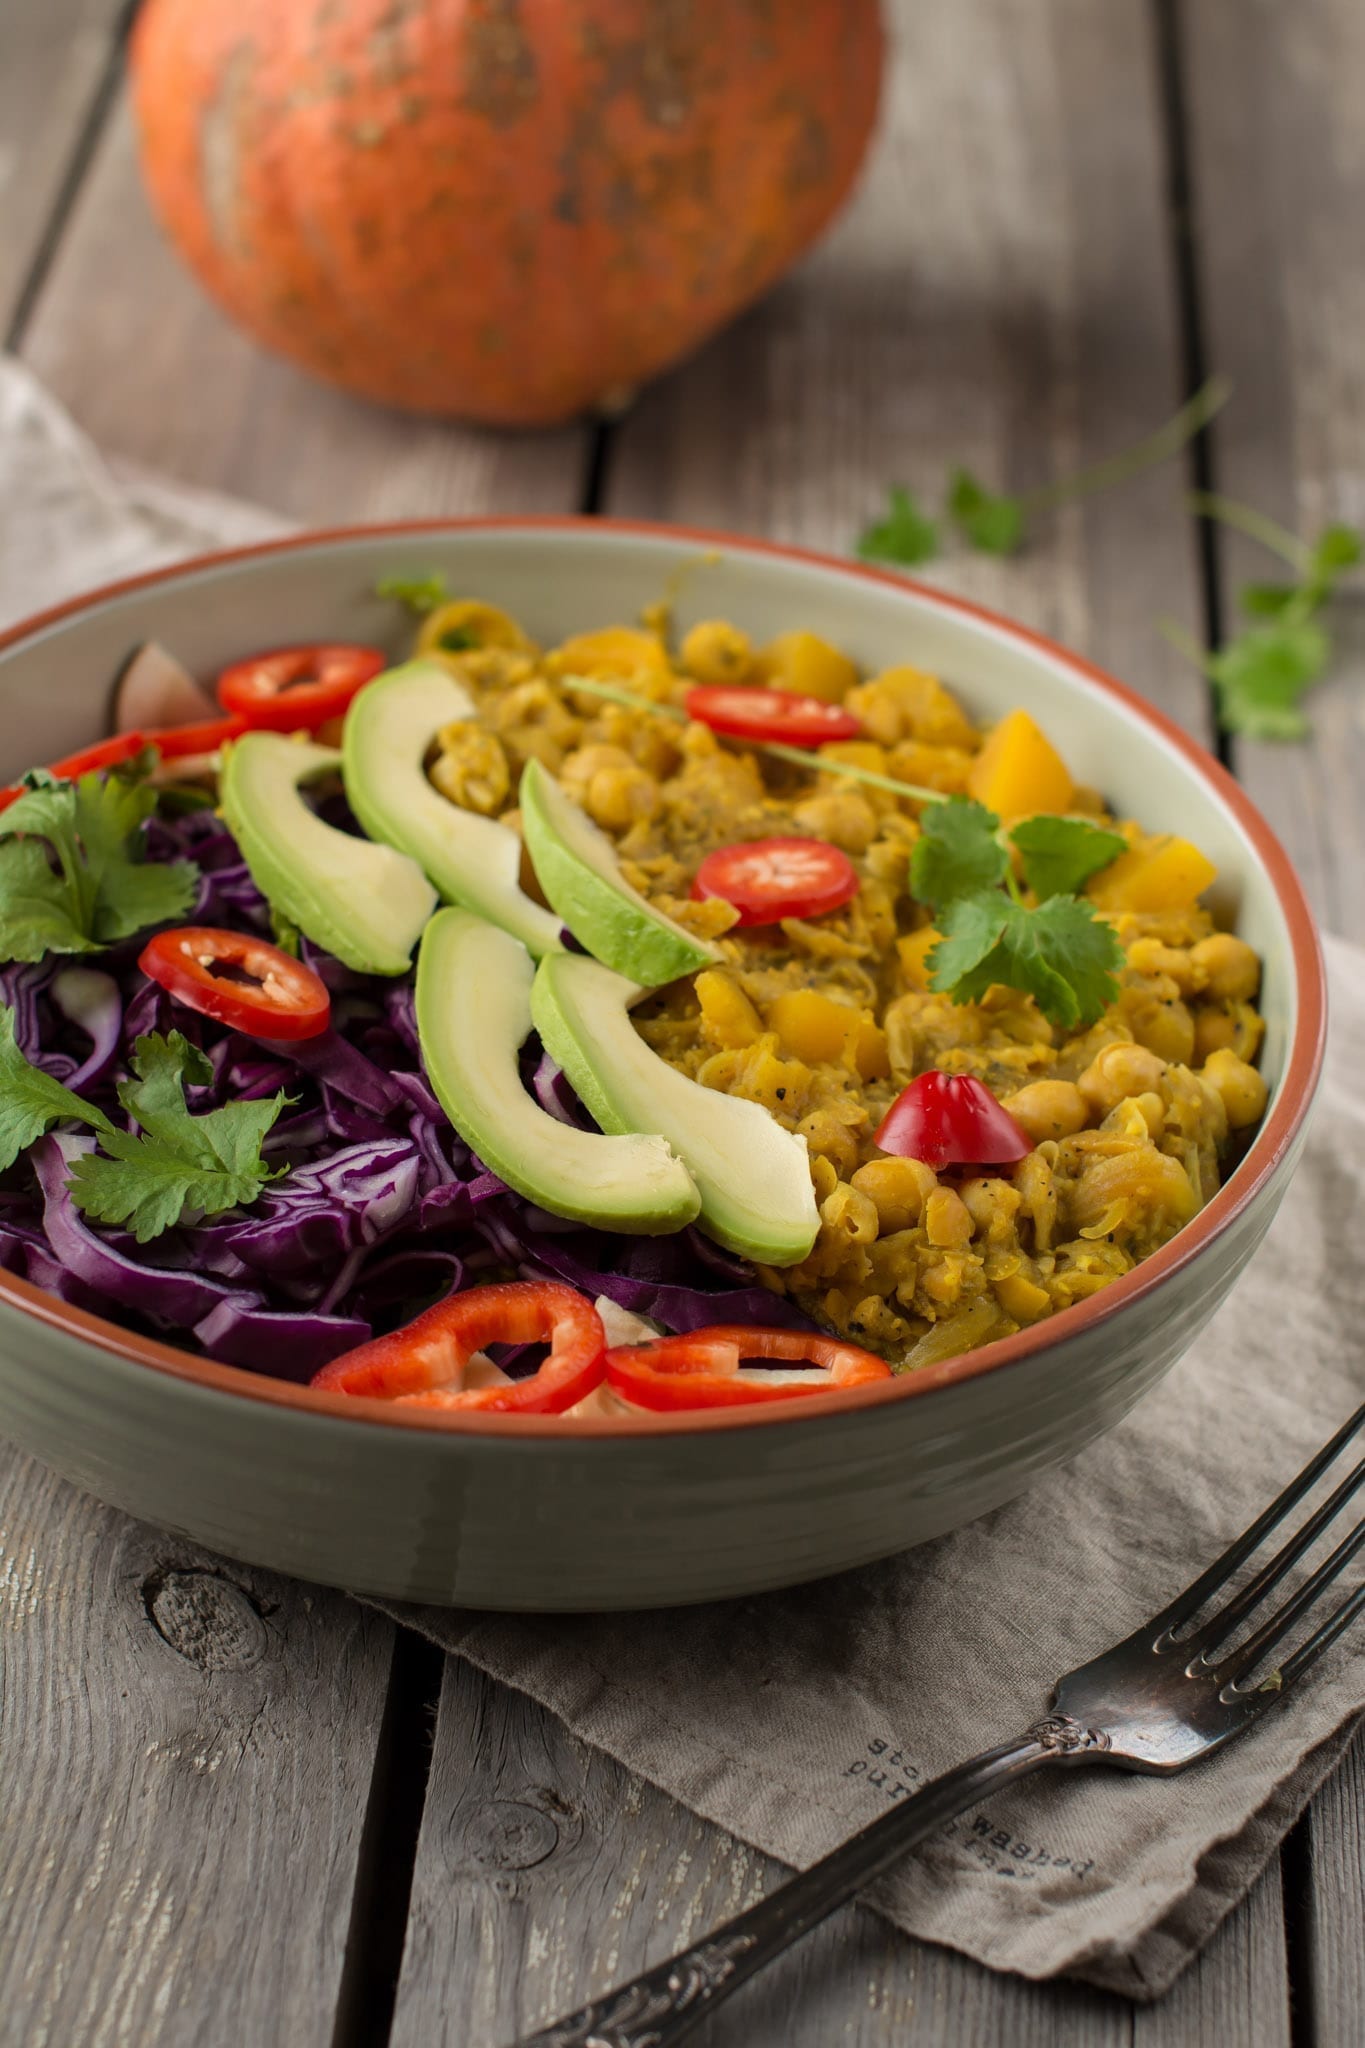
{"x": 422, "y": 1364}
{"x": 206, "y": 736}
{"x": 759, "y": 714}
{"x": 952, "y": 1120}
{"x": 290, "y": 689}
{"x": 702, "y": 1369}
{"x": 769, "y": 879}
{"x": 112, "y": 753}
{"x": 266, "y": 993}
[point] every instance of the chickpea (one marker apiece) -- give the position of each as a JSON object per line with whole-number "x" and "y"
{"x": 1214, "y": 1031}
{"x": 848, "y": 1214}
{"x": 825, "y": 1135}
{"x": 992, "y": 1205}
{"x": 471, "y": 768}
{"x": 947, "y": 1220}
{"x": 843, "y": 817}
{"x": 1243, "y": 1091}
{"x": 898, "y": 1189}
{"x": 1165, "y": 1027}
{"x": 1049, "y": 1109}
{"x": 1117, "y": 1071}
{"x": 714, "y": 651}
{"x": 611, "y": 787}
{"x": 1228, "y": 967}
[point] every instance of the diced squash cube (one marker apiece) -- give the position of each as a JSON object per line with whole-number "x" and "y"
{"x": 870, "y": 1054}
{"x": 728, "y": 1017}
{"x": 812, "y": 1026}
{"x": 623, "y": 651}
{"x": 1166, "y": 873}
{"x": 809, "y": 666}
{"x": 914, "y": 950}
{"x": 1019, "y": 771}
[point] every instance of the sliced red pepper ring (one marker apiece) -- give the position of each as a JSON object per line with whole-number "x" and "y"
{"x": 704, "y": 1368}
{"x": 205, "y": 736}
{"x": 422, "y": 1365}
{"x": 769, "y": 879}
{"x": 112, "y": 753}
{"x": 292, "y": 689}
{"x": 952, "y": 1120}
{"x": 240, "y": 980}
{"x": 755, "y": 713}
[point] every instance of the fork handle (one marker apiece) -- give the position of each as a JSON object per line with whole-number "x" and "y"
{"x": 666, "y": 2003}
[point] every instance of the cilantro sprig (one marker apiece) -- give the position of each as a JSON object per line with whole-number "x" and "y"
{"x": 102, "y": 888}
{"x": 999, "y": 522}
{"x": 173, "y": 1166}
{"x": 1262, "y": 673}
{"x": 421, "y": 594}
{"x": 1056, "y": 949}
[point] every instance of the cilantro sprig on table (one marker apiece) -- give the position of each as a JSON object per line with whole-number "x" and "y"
{"x": 1261, "y": 675}
{"x": 173, "y": 1166}
{"x": 102, "y": 889}
{"x": 999, "y": 522}
{"x": 1056, "y": 949}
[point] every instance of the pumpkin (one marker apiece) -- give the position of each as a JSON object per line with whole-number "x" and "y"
{"x": 502, "y": 210}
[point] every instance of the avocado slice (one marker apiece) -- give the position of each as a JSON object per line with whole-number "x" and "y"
{"x": 473, "y": 1015}
{"x": 472, "y": 860}
{"x": 364, "y": 903}
{"x": 754, "y": 1177}
{"x": 576, "y": 866}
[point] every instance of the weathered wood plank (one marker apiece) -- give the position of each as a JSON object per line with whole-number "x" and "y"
{"x": 54, "y": 56}
{"x": 1279, "y": 190}
{"x": 1278, "y": 178}
{"x": 546, "y": 1872}
{"x": 162, "y": 377}
{"x": 185, "y": 1749}
{"x": 1001, "y": 296}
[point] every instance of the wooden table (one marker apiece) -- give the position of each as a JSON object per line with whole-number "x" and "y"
{"x": 240, "y": 1810}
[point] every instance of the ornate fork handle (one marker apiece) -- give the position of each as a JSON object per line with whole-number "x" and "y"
{"x": 666, "y": 2003}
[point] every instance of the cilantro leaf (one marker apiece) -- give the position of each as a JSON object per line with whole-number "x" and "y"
{"x": 30, "y": 1100}
{"x": 905, "y": 535}
{"x": 419, "y": 593}
{"x": 37, "y": 914}
{"x": 957, "y": 852}
{"x": 1261, "y": 675}
{"x": 1336, "y": 548}
{"x": 993, "y": 524}
{"x": 1062, "y": 954}
{"x": 180, "y": 1162}
{"x": 1061, "y": 854}
{"x": 102, "y": 889}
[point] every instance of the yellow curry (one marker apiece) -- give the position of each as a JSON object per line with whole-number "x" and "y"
{"x": 1134, "y": 1119}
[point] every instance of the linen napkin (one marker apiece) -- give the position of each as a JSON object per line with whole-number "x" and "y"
{"x": 794, "y": 1718}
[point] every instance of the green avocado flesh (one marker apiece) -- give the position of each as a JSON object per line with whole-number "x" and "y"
{"x": 473, "y": 1016}
{"x": 576, "y": 866}
{"x": 754, "y": 1178}
{"x": 364, "y": 903}
{"x": 472, "y": 860}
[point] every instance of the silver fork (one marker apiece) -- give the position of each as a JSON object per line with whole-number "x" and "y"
{"x": 1167, "y": 1696}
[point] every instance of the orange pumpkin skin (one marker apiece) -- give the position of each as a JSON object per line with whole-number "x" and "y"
{"x": 503, "y": 210}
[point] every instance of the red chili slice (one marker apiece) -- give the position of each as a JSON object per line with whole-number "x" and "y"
{"x": 291, "y": 689}
{"x": 759, "y": 714}
{"x": 769, "y": 879}
{"x": 703, "y": 1369}
{"x": 110, "y": 753}
{"x": 267, "y": 994}
{"x": 207, "y": 736}
{"x": 952, "y": 1120}
{"x": 422, "y": 1364}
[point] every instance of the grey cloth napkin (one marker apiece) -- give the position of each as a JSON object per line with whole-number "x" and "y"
{"x": 794, "y": 1718}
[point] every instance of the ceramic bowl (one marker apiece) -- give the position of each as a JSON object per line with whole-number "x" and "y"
{"x": 494, "y": 1512}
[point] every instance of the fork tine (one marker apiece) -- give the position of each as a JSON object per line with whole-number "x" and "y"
{"x": 1309, "y": 1652}
{"x": 1194, "y": 1596}
{"x": 1328, "y": 1572}
{"x": 1222, "y": 1625}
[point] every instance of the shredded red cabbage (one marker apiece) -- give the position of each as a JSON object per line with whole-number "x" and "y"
{"x": 384, "y": 1210}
